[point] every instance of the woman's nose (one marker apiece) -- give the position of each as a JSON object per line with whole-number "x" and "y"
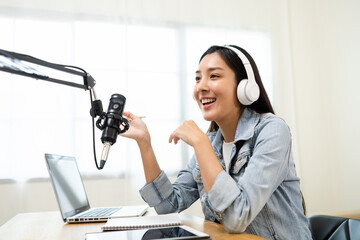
{"x": 202, "y": 85}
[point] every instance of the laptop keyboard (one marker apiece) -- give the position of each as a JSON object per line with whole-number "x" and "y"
{"x": 99, "y": 212}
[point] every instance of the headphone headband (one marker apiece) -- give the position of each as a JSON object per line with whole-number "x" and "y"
{"x": 245, "y": 61}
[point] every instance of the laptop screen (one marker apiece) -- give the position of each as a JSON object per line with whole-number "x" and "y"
{"x": 67, "y": 183}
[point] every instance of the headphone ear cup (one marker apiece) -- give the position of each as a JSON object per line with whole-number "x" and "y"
{"x": 241, "y": 92}
{"x": 247, "y": 93}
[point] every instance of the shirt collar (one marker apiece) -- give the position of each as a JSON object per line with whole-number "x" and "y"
{"x": 244, "y": 130}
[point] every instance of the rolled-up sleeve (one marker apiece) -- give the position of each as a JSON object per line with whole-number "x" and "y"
{"x": 167, "y": 197}
{"x": 222, "y": 194}
{"x": 237, "y": 202}
{"x": 157, "y": 191}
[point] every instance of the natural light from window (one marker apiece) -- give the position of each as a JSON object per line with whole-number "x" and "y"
{"x": 153, "y": 66}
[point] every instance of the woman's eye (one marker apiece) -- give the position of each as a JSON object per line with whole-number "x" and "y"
{"x": 197, "y": 78}
{"x": 214, "y": 76}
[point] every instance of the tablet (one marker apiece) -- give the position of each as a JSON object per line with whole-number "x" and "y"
{"x": 179, "y": 232}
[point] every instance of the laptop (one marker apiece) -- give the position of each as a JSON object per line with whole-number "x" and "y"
{"x": 72, "y": 198}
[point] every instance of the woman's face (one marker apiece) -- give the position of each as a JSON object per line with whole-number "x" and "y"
{"x": 215, "y": 89}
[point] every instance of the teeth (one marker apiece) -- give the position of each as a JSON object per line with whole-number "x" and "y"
{"x": 207, "y": 100}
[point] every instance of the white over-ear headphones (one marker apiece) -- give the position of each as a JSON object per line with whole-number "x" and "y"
{"x": 247, "y": 91}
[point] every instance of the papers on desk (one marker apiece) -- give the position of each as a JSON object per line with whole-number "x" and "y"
{"x": 152, "y": 221}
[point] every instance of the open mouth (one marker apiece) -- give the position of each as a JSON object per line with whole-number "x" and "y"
{"x": 207, "y": 101}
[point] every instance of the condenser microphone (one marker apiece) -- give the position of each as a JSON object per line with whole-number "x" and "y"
{"x": 113, "y": 125}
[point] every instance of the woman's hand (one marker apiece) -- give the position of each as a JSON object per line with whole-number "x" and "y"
{"x": 209, "y": 165}
{"x": 189, "y": 132}
{"x": 137, "y": 130}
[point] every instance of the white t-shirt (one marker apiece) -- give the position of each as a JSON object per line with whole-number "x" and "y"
{"x": 227, "y": 147}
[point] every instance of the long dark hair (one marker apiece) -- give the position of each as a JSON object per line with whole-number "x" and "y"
{"x": 263, "y": 104}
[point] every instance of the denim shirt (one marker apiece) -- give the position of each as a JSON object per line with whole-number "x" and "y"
{"x": 260, "y": 194}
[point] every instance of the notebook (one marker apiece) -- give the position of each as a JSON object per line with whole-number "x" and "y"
{"x": 151, "y": 221}
{"x": 72, "y": 198}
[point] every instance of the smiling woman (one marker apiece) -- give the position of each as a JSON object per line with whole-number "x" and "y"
{"x": 307, "y": 53}
{"x": 243, "y": 171}
{"x": 210, "y": 93}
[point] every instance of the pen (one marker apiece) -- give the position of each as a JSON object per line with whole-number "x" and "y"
{"x": 141, "y": 117}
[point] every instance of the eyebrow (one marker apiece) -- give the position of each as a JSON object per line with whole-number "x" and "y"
{"x": 211, "y": 69}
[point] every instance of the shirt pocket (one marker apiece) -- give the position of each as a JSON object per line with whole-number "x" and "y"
{"x": 197, "y": 175}
{"x": 240, "y": 163}
{"x": 198, "y": 179}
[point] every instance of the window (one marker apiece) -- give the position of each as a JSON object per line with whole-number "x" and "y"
{"x": 153, "y": 66}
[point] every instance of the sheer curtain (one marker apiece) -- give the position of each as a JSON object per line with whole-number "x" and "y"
{"x": 135, "y": 48}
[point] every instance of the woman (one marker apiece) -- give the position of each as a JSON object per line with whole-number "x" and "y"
{"x": 242, "y": 169}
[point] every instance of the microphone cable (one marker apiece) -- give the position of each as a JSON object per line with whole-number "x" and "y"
{"x": 93, "y": 130}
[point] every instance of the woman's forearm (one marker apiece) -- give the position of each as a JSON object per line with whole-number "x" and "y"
{"x": 209, "y": 165}
{"x": 151, "y": 167}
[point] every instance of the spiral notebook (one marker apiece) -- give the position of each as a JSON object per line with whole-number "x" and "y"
{"x": 152, "y": 221}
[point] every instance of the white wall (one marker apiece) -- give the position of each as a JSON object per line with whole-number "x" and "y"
{"x": 325, "y": 51}
{"x": 315, "y": 60}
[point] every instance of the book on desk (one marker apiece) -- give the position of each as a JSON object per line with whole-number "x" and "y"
{"x": 151, "y": 221}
